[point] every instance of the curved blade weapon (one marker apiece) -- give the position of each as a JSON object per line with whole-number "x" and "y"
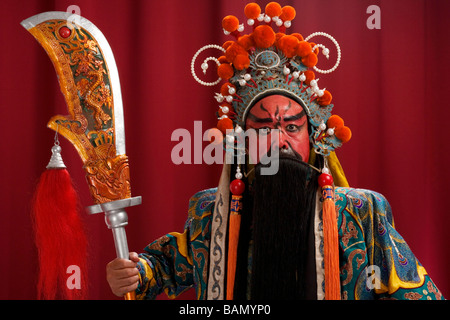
{"x": 89, "y": 81}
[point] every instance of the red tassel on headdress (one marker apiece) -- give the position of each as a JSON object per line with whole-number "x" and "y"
{"x": 237, "y": 188}
{"x": 59, "y": 234}
{"x": 330, "y": 239}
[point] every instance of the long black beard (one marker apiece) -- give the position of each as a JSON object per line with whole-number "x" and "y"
{"x": 281, "y": 213}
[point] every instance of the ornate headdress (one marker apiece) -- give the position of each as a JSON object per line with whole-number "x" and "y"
{"x": 266, "y": 62}
{"x": 253, "y": 66}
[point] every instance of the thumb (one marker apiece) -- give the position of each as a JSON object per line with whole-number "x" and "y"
{"x": 134, "y": 257}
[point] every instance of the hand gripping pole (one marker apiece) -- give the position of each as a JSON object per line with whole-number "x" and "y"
{"x": 116, "y": 219}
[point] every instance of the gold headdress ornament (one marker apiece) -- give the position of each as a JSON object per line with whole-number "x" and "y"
{"x": 265, "y": 62}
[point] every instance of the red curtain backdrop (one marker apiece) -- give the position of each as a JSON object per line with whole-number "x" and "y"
{"x": 389, "y": 88}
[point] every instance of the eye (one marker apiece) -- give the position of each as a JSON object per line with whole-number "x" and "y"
{"x": 292, "y": 128}
{"x": 264, "y": 131}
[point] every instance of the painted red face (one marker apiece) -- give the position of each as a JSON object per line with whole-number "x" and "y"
{"x": 286, "y": 115}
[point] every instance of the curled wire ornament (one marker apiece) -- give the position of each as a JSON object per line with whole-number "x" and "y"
{"x": 326, "y": 51}
{"x": 205, "y": 64}
{"x": 56, "y": 140}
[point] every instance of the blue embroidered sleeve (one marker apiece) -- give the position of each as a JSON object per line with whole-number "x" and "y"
{"x": 178, "y": 261}
{"x": 377, "y": 262}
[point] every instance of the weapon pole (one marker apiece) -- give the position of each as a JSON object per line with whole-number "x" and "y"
{"x": 116, "y": 219}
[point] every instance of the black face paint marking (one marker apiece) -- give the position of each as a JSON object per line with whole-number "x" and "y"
{"x": 288, "y": 106}
{"x": 295, "y": 117}
{"x": 277, "y": 115}
{"x": 261, "y": 106}
{"x": 259, "y": 120}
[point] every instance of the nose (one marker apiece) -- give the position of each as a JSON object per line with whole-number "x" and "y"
{"x": 283, "y": 143}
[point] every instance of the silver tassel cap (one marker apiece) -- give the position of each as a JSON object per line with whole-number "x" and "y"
{"x": 56, "y": 161}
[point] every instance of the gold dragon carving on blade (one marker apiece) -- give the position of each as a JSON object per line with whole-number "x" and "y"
{"x": 84, "y": 81}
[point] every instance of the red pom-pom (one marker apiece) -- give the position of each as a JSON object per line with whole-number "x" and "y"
{"x": 230, "y": 112}
{"x": 273, "y": 9}
{"x": 223, "y": 59}
{"x": 309, "y": 74}
{"x": 325, "y": 179}
{"x": 287, "y": 13}
{"x": 298, "y": 36}
{"x": 246, "y": 41}
{"x": 325, "y": 99}
{"x": 215, "y": 136}
{"x": 278, "y": 36}
{"x": 252, "y": 10}
{"x": 344, "y": 134}
{"x": 264, "y": 36}
{"x": 225, "y": 71}
{"x": 303, "y": 49}
{"x": 241, "y": 62}
{"x": 288, "y": 44}
{"x": 224, "y": 89}
{"x": 310, "y": 60}
{"x": 224, "y": 125}
{"x": 335, "y": 122}
{"x": 230, "y": 23}
{"x": 237, "y": 187}
{"x": 233, "y": 50}
{"x": 227, "y": 44}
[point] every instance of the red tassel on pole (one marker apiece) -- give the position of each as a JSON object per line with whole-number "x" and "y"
{"x": 59, "y": 234}
{"x": 331, "y": 241}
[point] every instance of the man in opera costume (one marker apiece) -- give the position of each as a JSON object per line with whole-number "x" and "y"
{"x": 284, "y": 223}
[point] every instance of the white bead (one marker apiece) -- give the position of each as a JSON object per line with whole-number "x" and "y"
{"x": 247, "y": 77}
{"x": 313, "y": 83}
{"x": 250, "y": 22}
{"x": 261, "y": 17}
{"x": 286, "y": 70}
{"x": 320, "y": 93}
{"x": 231, "y": 90}
{"x": 242, "y": 82}
{"x": 229, "y": 138}
{"x": 326, "y": 171}
{"x": 240, "y": 28}
{"x": 326, "y": 52}
{"x": 330, "y": 131}
{"x": 267, "y": 19}
{"x": 238, "y": 175}
{"x": 279, "y": 23}
{"x": 287, "y": 24}
{"x": 322, "y": 126}
{"x": 238, "y": 129}
{"x": 302, "y": 77}
{"x": 226, "y": 32}
{"x": 219, "y": 97}
{"x": 225, "y": 109}
{"x": 296, "y": 74}
{"x": 229, "y": 99}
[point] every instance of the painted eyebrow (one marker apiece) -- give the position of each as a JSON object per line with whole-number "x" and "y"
{"x": 259, "y": 120}
{"x": 295, "y": 117}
